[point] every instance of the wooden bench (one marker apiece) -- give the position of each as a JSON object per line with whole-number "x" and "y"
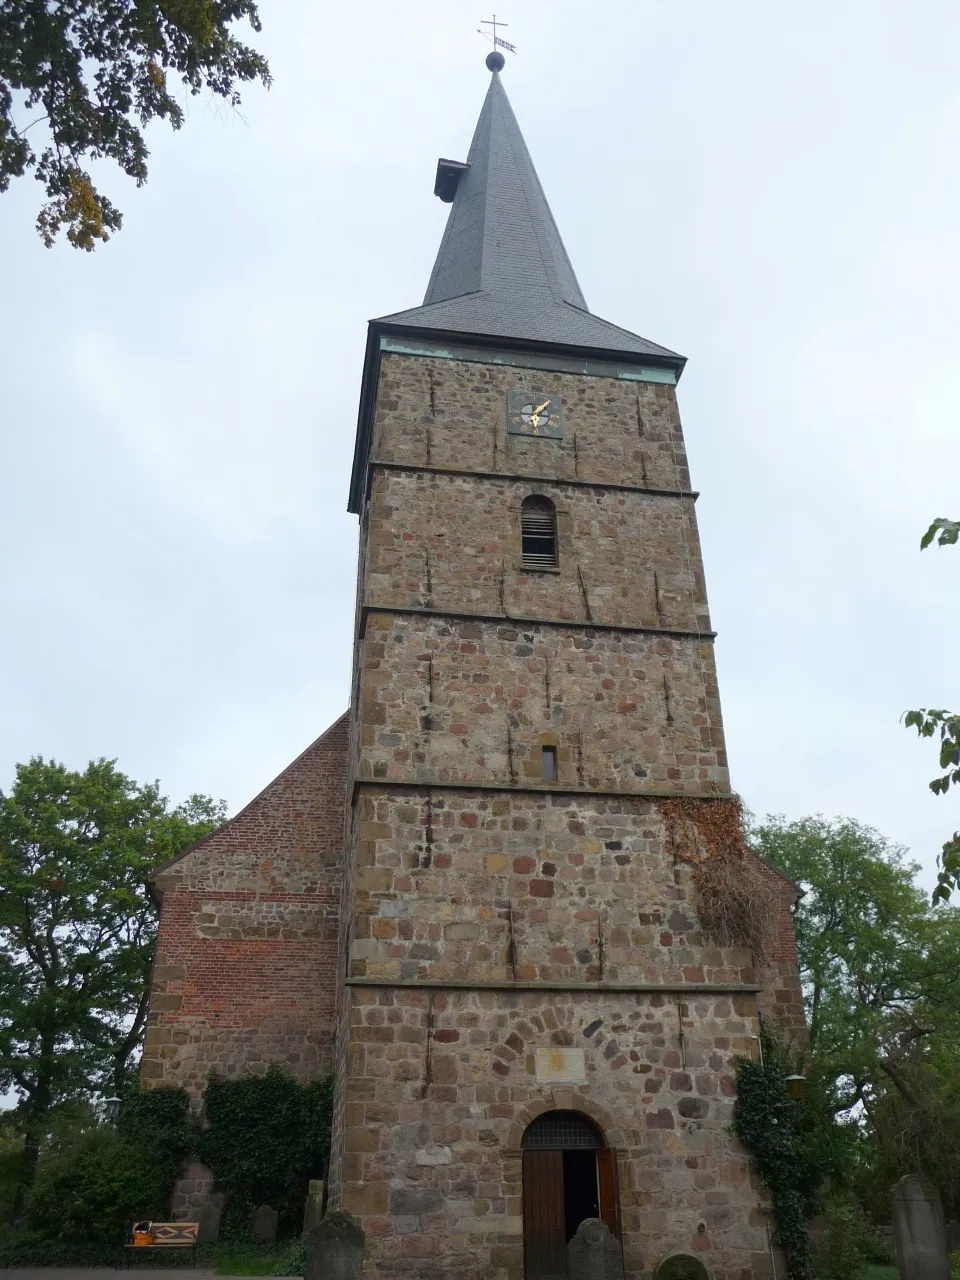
{"x": 167, "y": 1235}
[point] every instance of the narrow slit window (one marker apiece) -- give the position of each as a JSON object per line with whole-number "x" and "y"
{"x": 538, "y": 530}
{"x": 549, "y": 764}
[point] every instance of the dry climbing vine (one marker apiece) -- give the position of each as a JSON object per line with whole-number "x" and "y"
{"x": 739, "y": 900}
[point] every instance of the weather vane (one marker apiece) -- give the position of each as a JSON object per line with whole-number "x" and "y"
{"x": 494, "y": 38}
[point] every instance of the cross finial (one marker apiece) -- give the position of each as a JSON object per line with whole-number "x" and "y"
{"x": 495, "y": 60}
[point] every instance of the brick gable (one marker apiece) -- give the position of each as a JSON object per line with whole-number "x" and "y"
{"x": 245, "y": 973}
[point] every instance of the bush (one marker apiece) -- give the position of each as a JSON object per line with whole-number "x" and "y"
{"x": 94, "y": 1190}
{"x": 31, "y": 1249}
{"x": 848, "y": 1242}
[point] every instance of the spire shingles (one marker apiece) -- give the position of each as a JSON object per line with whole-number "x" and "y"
{"x": 502, "y": 270}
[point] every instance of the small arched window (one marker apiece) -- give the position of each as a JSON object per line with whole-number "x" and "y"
{"x": 538, "y": 532}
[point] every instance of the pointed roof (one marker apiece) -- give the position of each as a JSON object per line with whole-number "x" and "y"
{"x": 502, "y": 270}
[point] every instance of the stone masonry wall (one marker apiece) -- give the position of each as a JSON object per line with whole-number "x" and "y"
{"x": 247, "y": 951}
{"x": 463, "y": 701}
{"x": 444, "y": 1084}
{"x": 451, "y": 414}
{"x": 460, "y": 885}
{"x": 494, "y": 921}
{"x": 453, "y": 543}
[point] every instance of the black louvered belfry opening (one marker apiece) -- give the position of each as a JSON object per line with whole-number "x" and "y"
{"x": 567, "y": 1130}
{"x": 538, "y": 528}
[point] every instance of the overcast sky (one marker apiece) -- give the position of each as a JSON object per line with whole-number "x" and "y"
{"x": 772, "y": 190}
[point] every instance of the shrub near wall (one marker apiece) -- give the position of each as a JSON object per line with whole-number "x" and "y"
{"x": 265, "y": 1137}
{"x": 91, "y": 1186}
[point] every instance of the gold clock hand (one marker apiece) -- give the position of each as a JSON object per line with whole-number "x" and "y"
{"x": 535, "y": 416}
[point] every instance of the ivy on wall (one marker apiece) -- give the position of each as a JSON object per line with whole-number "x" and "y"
{"x": 264, "y": 1138}
{"x": 802, "y": 1154}
{"x": 765, "y": 1121}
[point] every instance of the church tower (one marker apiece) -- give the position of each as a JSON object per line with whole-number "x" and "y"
{"x": 551, "y": 960}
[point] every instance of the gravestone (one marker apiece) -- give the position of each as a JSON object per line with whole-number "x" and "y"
{"x": 681, "y": 1266}
{"x": 265, "y": 1223}
{"x": 313, "y": 1207}
{"x": 208, "y": 1217}
{"x": 953, "y": 1236}
{"x": 593, "y": 1253}
{"x": 335, "y": 1249}
{"x": 919, "y": 1231}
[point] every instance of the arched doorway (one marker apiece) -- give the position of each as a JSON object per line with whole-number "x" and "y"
{"x": 569, "y": 1174}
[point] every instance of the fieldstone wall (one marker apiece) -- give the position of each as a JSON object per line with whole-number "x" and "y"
{"x": 475, "y": 701}
{"x": 515, "y": 945}
{"x": 454, "y": 544}
{"x": 443, "y": 1085}
{"x": 246, "y": 964}
{"x": 451, "y": 414}
{"x": 477, "y": 886}
{"x": 193, "y": 1193}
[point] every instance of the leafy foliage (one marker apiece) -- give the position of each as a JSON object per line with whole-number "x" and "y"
{"x": 267, "y": 1136}
{"x": 157, "y": 1122}
{"x": 93, "y": 1189}
{"x": 929, "y": 724}
{"x": 77, "y": 930}
{"x": 93, "y": 1183}
{"x": 96, "y": 71}
{"x": 946, "y": 532}
{"x": 880, "y": 967}
{"x": 292, "y": 1258}
{"x": 946, "y": 725}
{"x": 847, "y": 1243}
{"x": 765, "y": 1121}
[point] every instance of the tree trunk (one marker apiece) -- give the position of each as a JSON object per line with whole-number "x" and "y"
{"x": 37, "y": 1107}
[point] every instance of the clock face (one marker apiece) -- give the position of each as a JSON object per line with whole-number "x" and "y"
{"x": 534, "y": 415}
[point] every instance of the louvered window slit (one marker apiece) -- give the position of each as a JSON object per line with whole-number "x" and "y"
{"x": 538, "y": 527}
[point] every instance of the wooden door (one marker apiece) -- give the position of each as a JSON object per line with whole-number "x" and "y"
{"x": 544, "y": 1228}
{"x": 609, "y": 1190}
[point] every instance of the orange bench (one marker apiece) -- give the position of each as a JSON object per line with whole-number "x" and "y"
{"x": 163, "y": 1235}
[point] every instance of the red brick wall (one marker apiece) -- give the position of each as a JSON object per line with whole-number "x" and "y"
{"x": 246, "y": 966}
{"x": 781, "y": 1002}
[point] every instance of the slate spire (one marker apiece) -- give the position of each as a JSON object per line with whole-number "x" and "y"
{"x": 502, "y": 269}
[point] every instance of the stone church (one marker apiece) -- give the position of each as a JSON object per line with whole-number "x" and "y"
{"x": 484, "y": 898}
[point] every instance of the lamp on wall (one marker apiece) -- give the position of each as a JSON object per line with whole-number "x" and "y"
{"x": 796, "y": 1086}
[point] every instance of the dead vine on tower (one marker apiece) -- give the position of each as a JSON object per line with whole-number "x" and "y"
{"x": 739, "y": 901}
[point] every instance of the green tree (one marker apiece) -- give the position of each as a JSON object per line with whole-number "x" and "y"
{"x": 944, "y": 725}
{"x": 77, "y": 931}
{"x": 880, "y": 966}
{"x": 90, "y": 74}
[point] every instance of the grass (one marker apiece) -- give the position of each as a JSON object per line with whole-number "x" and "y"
{"x": 241, "y": 1262}
{"x": 879, "y": 1273}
